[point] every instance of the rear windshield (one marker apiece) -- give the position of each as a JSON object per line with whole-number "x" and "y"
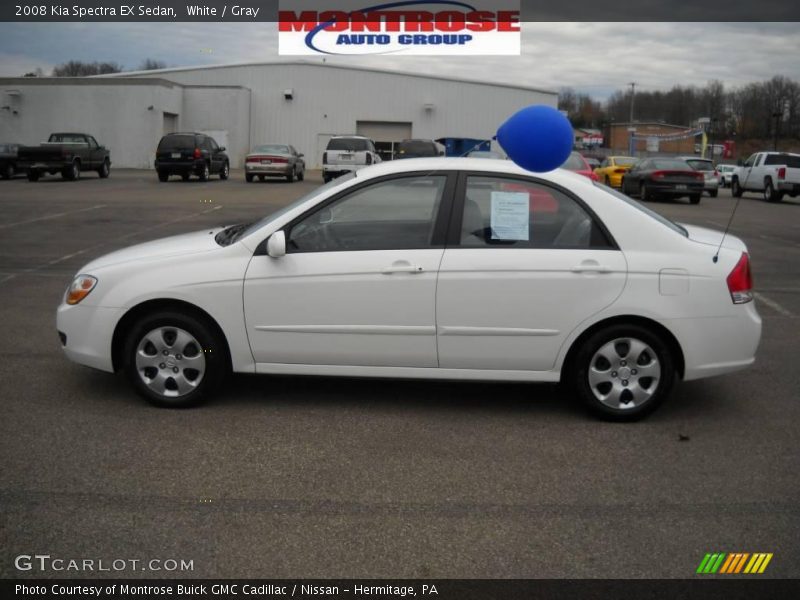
{"x": 67, "y": 138}
{"x": 790, "y": 160}
{"x": 272, "y": 149}
{"x": 574, "y": 163}
{"x": 177, "y": 141}
{"x": 701, "y": 165}
{"x": 419, "y": 148}
{"x": 351, "y": 144}
{"x": 674, "y": 165}
{"x": 644, "y": 209}
{"x": 624, "y": 161}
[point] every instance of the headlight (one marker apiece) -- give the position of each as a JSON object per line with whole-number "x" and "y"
{"x": 80, "y": 288}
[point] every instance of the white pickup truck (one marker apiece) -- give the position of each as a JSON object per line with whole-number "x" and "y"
{"x": 774, "y": 174}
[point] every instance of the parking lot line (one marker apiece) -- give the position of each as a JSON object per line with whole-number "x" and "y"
{"x": 53, "y": 216}
{"x": 55, "y": 261}
{"x": 773, "y": 305}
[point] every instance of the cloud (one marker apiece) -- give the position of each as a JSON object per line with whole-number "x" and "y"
{"x": 596, "y": 58}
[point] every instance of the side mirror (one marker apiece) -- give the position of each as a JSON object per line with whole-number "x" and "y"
{"x": 222, "y": 148}
{"x": 301, "y": 155}
{"x": 276, "y": 244}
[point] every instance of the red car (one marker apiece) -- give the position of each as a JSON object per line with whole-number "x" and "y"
{"x": 577, "y": 163}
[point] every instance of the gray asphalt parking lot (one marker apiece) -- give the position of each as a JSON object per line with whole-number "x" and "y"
{"x": 319, "y": 477}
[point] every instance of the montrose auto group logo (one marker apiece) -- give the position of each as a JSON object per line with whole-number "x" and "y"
{"x": 406, "y": 27}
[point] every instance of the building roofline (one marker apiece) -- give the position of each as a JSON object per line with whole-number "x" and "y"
{"x": 308, "y": 63}
{"x": 94, "y": 80}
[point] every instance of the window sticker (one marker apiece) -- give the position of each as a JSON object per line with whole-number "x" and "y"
{"x": 510, "y": 216}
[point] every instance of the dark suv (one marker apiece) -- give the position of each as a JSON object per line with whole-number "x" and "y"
{"x": 185, "y": 154}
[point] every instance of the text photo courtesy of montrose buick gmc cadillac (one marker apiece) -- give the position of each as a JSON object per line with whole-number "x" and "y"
{"x": 439, "y": 268}
{"x": 188, "y": 154}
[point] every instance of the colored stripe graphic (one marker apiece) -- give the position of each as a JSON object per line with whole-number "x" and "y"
{"x": 734, "y": 563}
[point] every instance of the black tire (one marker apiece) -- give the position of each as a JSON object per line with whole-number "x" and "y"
{"x": 644, "y": 193}
{"x": 576, "y": 375}
{"x": 225, "y": 172}
{"x": 185, "y": 176}
{"x": 290, "y": 176}
{"x": 736, "y": 188}
{"x": 262, "y": 178}
{"x": 770, "y": 194}
{"x": 607, "y": 181}
{"x": 301, "y": 175}
{"x": 695, "y": 198}
{"x": 713, "y": 193}
{"x": 163, "y": 176}
{"x": 326, "y": 178}
{"x": 213, "y": 353}
{"x": 204, "y": 172}
{"x": 248, "y": 177}
{"x": 33, "y": 175}
{"x": 72, "y": 172}
{"x": 8, "y": 172}
{"x": 105, "y": 169}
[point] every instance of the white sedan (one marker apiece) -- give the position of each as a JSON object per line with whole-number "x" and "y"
{"x": 463, "y": 269}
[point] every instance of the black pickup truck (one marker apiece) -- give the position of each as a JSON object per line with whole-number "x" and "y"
{"x": 65, "y": 153}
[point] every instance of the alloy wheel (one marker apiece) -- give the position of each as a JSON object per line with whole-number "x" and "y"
{"x": 624, "y": 373}
{"x": 170, "y": 361}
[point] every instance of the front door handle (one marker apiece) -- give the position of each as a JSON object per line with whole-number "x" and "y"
{"x": 402, "y": 266}
{"x": 590, "y": 267}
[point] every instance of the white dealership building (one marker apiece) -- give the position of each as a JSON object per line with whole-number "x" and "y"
{"x": 302, "y": 103}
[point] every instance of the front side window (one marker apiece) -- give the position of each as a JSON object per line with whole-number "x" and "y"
{"x": 388, "y": 215}
{"x": 500, "y": 213}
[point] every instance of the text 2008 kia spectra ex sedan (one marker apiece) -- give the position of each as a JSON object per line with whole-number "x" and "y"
{"x": 427, "y": 268}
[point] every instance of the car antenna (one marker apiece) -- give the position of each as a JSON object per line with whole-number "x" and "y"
{"x": 727, "y": 227}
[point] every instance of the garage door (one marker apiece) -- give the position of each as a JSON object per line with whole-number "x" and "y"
{"x": 385, "y": 134}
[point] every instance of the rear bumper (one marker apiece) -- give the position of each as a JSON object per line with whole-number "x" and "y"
{"x": 88, "y": 331}
{"x": 179, "y": 167}
{"x": 273, "y": 169}
{"x": 336, "y": 170}
{"x": 42, "y": 165}
{"x": 786, "y": 186}
{"x": 670, "y": 189}
{"x": 715, "y": 346}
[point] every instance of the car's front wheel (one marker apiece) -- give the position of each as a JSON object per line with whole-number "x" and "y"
{"x": 736, "y": 188}
{"x": 225, "y": 172}
{"x": 622, "y": 372}
{"x": 105, "y": 169}
{"x": 174, "y": 360}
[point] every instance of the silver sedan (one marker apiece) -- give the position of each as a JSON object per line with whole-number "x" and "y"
{"x": 274, "y": 160}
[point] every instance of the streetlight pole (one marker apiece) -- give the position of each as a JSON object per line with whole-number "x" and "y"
{"x": 777, "y": 116}
{"x": 631, "y": 128}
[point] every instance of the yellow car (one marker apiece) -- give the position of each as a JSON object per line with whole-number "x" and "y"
{"x": 612, "y": 169}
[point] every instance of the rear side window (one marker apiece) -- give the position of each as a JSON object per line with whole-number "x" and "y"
{"x": 176, "y": 142}
{"x": 790, "y": 160}
{"x": 348, "y": 144}
{"x": 701, "y": 165}
{"x": 418, "y": 148}
{"x": 503, "y": 213}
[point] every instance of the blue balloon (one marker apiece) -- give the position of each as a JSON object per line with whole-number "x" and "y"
{"x": 537, "y": 138}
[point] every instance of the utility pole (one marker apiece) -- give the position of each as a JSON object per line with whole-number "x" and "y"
{"x": 631, "y": 128}
{"x": 633, "y": 95}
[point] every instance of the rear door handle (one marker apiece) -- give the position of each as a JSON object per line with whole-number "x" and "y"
{"x": 590, "y": 268}
{"x": 402, "y": 266}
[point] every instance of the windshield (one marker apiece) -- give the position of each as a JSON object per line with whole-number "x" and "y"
{"x": 67, "y": 138}
{"x": 272, "y": 149}
{"x": 668, "y": 163}
{"x": 225, "y": 238}
{"x": 644, "y": 209}
{"x": 349, "y": 144}
{"x": 624, "y": 161}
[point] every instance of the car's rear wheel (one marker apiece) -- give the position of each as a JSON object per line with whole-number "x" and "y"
{"x": 163, "y": 176}
{"x": 644, "y": 192}
{"x": 607, "y": 181}
{"x": 8, "y": 172}
{"x": 290, "y": 176}
{"x": 204, "y": 172}
{"x": 185, "y": 176}
{"x": 33, "y": 175}
{"x": 174, "y": 360}
{"x": 770, "y": 195}
{"x": 248, "y": 177}
{"x": 713, "y": 193}
{"x": 301, "y": 175}
{"x": 72, "y": 172}
{"x": 695, "y": 198}
{"x": 736, "y": 188}
{"x": 622, "y": 372}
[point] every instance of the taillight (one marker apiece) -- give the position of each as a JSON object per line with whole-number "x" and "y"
{"x": 699, "y": 176}
{"x": 658, "y": 175}
{"x": 369, "y": 158}
{"x": 716, "y": 173}
{"x": 594, "y": 176}
{"x": 782, "y": 173}
{"x": 197, "y": 153}
{"x": 740, "y": 281}
{"x": 324, "y": 157}
{"x": 620, "y": 171}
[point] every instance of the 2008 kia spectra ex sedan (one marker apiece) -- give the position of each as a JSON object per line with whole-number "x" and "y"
{"x": 427, "y": 268}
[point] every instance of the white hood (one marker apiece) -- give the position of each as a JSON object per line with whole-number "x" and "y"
{"x": 188, "y": 243}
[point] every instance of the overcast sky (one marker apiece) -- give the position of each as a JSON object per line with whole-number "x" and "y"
{"x": 596, "y": 58}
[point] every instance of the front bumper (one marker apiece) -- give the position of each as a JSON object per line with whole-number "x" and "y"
{"x": 86, "y": 333}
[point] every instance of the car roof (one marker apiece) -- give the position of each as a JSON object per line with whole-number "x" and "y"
{"x": 694, "y": 158}
{"x": 361, "y": 137}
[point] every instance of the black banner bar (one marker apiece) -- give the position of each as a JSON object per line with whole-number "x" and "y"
{"x": 267, "y": 10}
{"x": 703, "y": 587}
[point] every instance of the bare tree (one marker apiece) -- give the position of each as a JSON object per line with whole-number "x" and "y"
{"x": 151, "y": 64}
{"x": 77, "y": 68}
